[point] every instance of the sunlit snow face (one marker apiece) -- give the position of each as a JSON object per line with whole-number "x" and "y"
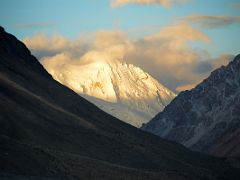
{"x": 88, "y": 75}
{"x": 121, "y": 89}
{"x": 97, "y": 74}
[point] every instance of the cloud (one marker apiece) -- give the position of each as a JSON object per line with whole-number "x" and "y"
{"x": 235, "y": 5}
{"x": 185, "y": 87}
{"x": 116, "y": 43}
{"x": 35, "y": 25}
{"x": 46, "y": 45}
{"x": 221, "y": 60}
{"x": 203, "y": 68}
{"x": 165, "y": 3}
{"x": 212, "y": 21}
{"x": 166, "y": 55}
{"x": 180, "y": 33}
{"x": 54, "y": 43}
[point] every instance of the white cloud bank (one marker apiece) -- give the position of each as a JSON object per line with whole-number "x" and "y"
{"x": 165, "y": 55}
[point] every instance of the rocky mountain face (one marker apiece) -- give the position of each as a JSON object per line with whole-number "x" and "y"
{"x": 50, "y": 132}
{"x": 206, "y": 118}
{"x": 118, "y": 88}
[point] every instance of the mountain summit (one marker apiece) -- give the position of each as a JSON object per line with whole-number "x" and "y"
{"x": 206, "y": 118}
{"x": 122, "y": 90}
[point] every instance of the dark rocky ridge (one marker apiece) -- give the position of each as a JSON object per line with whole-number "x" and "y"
{"x": 206, "y": 118}
{"x": 9, "y": 45}
{"x": 49, "y": 131}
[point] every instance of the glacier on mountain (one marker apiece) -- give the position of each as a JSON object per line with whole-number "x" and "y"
{"x": 120, "y": 89}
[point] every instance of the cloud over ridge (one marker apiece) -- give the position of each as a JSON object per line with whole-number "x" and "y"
{"x": 165, "y": 3}
{"x": 208, "y": 21}
{"x": 166, "y": 55}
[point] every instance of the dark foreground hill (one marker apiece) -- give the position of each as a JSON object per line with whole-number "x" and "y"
{"x": 49, "y": 132}
{"x": 206, "y": 118}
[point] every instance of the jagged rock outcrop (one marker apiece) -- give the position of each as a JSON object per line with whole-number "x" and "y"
{"x": 206, "y": 118}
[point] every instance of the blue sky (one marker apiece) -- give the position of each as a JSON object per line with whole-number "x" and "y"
{"x": 70, "y": 18}
{"x": 217, "y": 19}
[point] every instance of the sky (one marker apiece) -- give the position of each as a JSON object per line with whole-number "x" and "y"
{"x": 179, "y": 42}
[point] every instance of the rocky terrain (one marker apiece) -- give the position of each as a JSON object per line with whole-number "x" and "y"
{"x": 206, "y": 118}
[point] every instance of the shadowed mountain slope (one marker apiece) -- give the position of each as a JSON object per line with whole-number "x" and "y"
{"x": 206, "y": 118}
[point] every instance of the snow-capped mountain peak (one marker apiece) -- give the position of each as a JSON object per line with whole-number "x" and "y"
{"x": 121, "y": 89}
